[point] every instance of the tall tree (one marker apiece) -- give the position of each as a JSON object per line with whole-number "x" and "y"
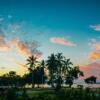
{"x": 42, "y": 64}
{"x": 55, "y": 67}
{"x": 32, "y": 60}
{"x": 67, "y": 66}
{"x": 60, "y": 60}
{"x": 66, "y": 71}
{"x": 52, "y": 67}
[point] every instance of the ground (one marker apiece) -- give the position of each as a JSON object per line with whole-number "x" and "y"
{"x": 50, "y": 94}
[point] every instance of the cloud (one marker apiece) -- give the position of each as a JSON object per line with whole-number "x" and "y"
{"x": 95, "y": 27}
{"x": 10, "y": 16}
{"x": 21, "y": 47}
{"x": 95, "y": 44}
{"x": 4, "y": 46}
{"x": 12, "y": 38}
{"x": 61, "y": 41}
{"x": 95, "y": 53}
{"x": 92, "y": 69}
{"x": 25, "y": 48}
{"x": 1, "y": 19}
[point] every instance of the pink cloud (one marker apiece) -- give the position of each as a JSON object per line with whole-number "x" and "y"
{"x": 62, "y": 41}
{"x": 92, "y": 69}
{"x": 95, "y": 27}
{"x": 4, "y": 46}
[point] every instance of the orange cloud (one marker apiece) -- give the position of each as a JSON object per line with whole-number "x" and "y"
{"x": 94, "y": 44}
{"x": 97, "y": 46}
{"x": 26, "y": 48}
{"x": 61, "y": 41}
{"x": 23, "y": 48}
{"x": 94, "y": 55}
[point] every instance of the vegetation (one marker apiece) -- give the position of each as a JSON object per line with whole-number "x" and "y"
{"x": 31, "y": 62}
{"x": 60, "y": 71}
{"x": 55, "y": 71}
{"x": 91, "y": 80}
{"x": 48, "y": 94}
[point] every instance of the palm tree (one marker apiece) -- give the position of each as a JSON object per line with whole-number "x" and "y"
{"x": 74, "y": 73}
{"x": 52, "y": 67}
{"x": 59, "y": 58}
{"x": 42, "y": 64}
{"x": 32, "y": 60}
{"x": 67, "y": 66}
{"x": 66, "y": 69}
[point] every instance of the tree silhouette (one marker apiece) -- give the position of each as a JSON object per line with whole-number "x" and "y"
{"x": 55, "y": 67}
{"x": 42, "y": 64}
{"x": 12, "y": 74}
{"x": 60, "y": 70}
{"x": 60, "y": 59}
{"x": 90, "y": 80}
{"x": 32, "y": 60}
{"x": 67, "y": 66}
{"x": 73, "y": 73}
{"x": 11, "y": 79}
{"x": 52, "y": 67}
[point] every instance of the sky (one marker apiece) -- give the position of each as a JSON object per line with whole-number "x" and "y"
{"x": 42, "y": 27}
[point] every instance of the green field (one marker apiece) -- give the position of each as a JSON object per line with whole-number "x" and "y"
{"x": 49, "y": 94}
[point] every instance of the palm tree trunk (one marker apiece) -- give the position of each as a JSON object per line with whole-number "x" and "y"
{"x": 32, "y": 80}
{"x": 42, "y": 81}
{"x": 38, "y": 85}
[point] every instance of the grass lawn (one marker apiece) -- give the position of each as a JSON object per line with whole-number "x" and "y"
{"x": 50, "y": 94}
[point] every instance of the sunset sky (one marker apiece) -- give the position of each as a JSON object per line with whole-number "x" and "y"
{"x": 42, "y": 27}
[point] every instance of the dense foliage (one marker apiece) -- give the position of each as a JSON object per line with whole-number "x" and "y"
{"x": 55, "y": 71}
{"x": 60, "y": 71}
